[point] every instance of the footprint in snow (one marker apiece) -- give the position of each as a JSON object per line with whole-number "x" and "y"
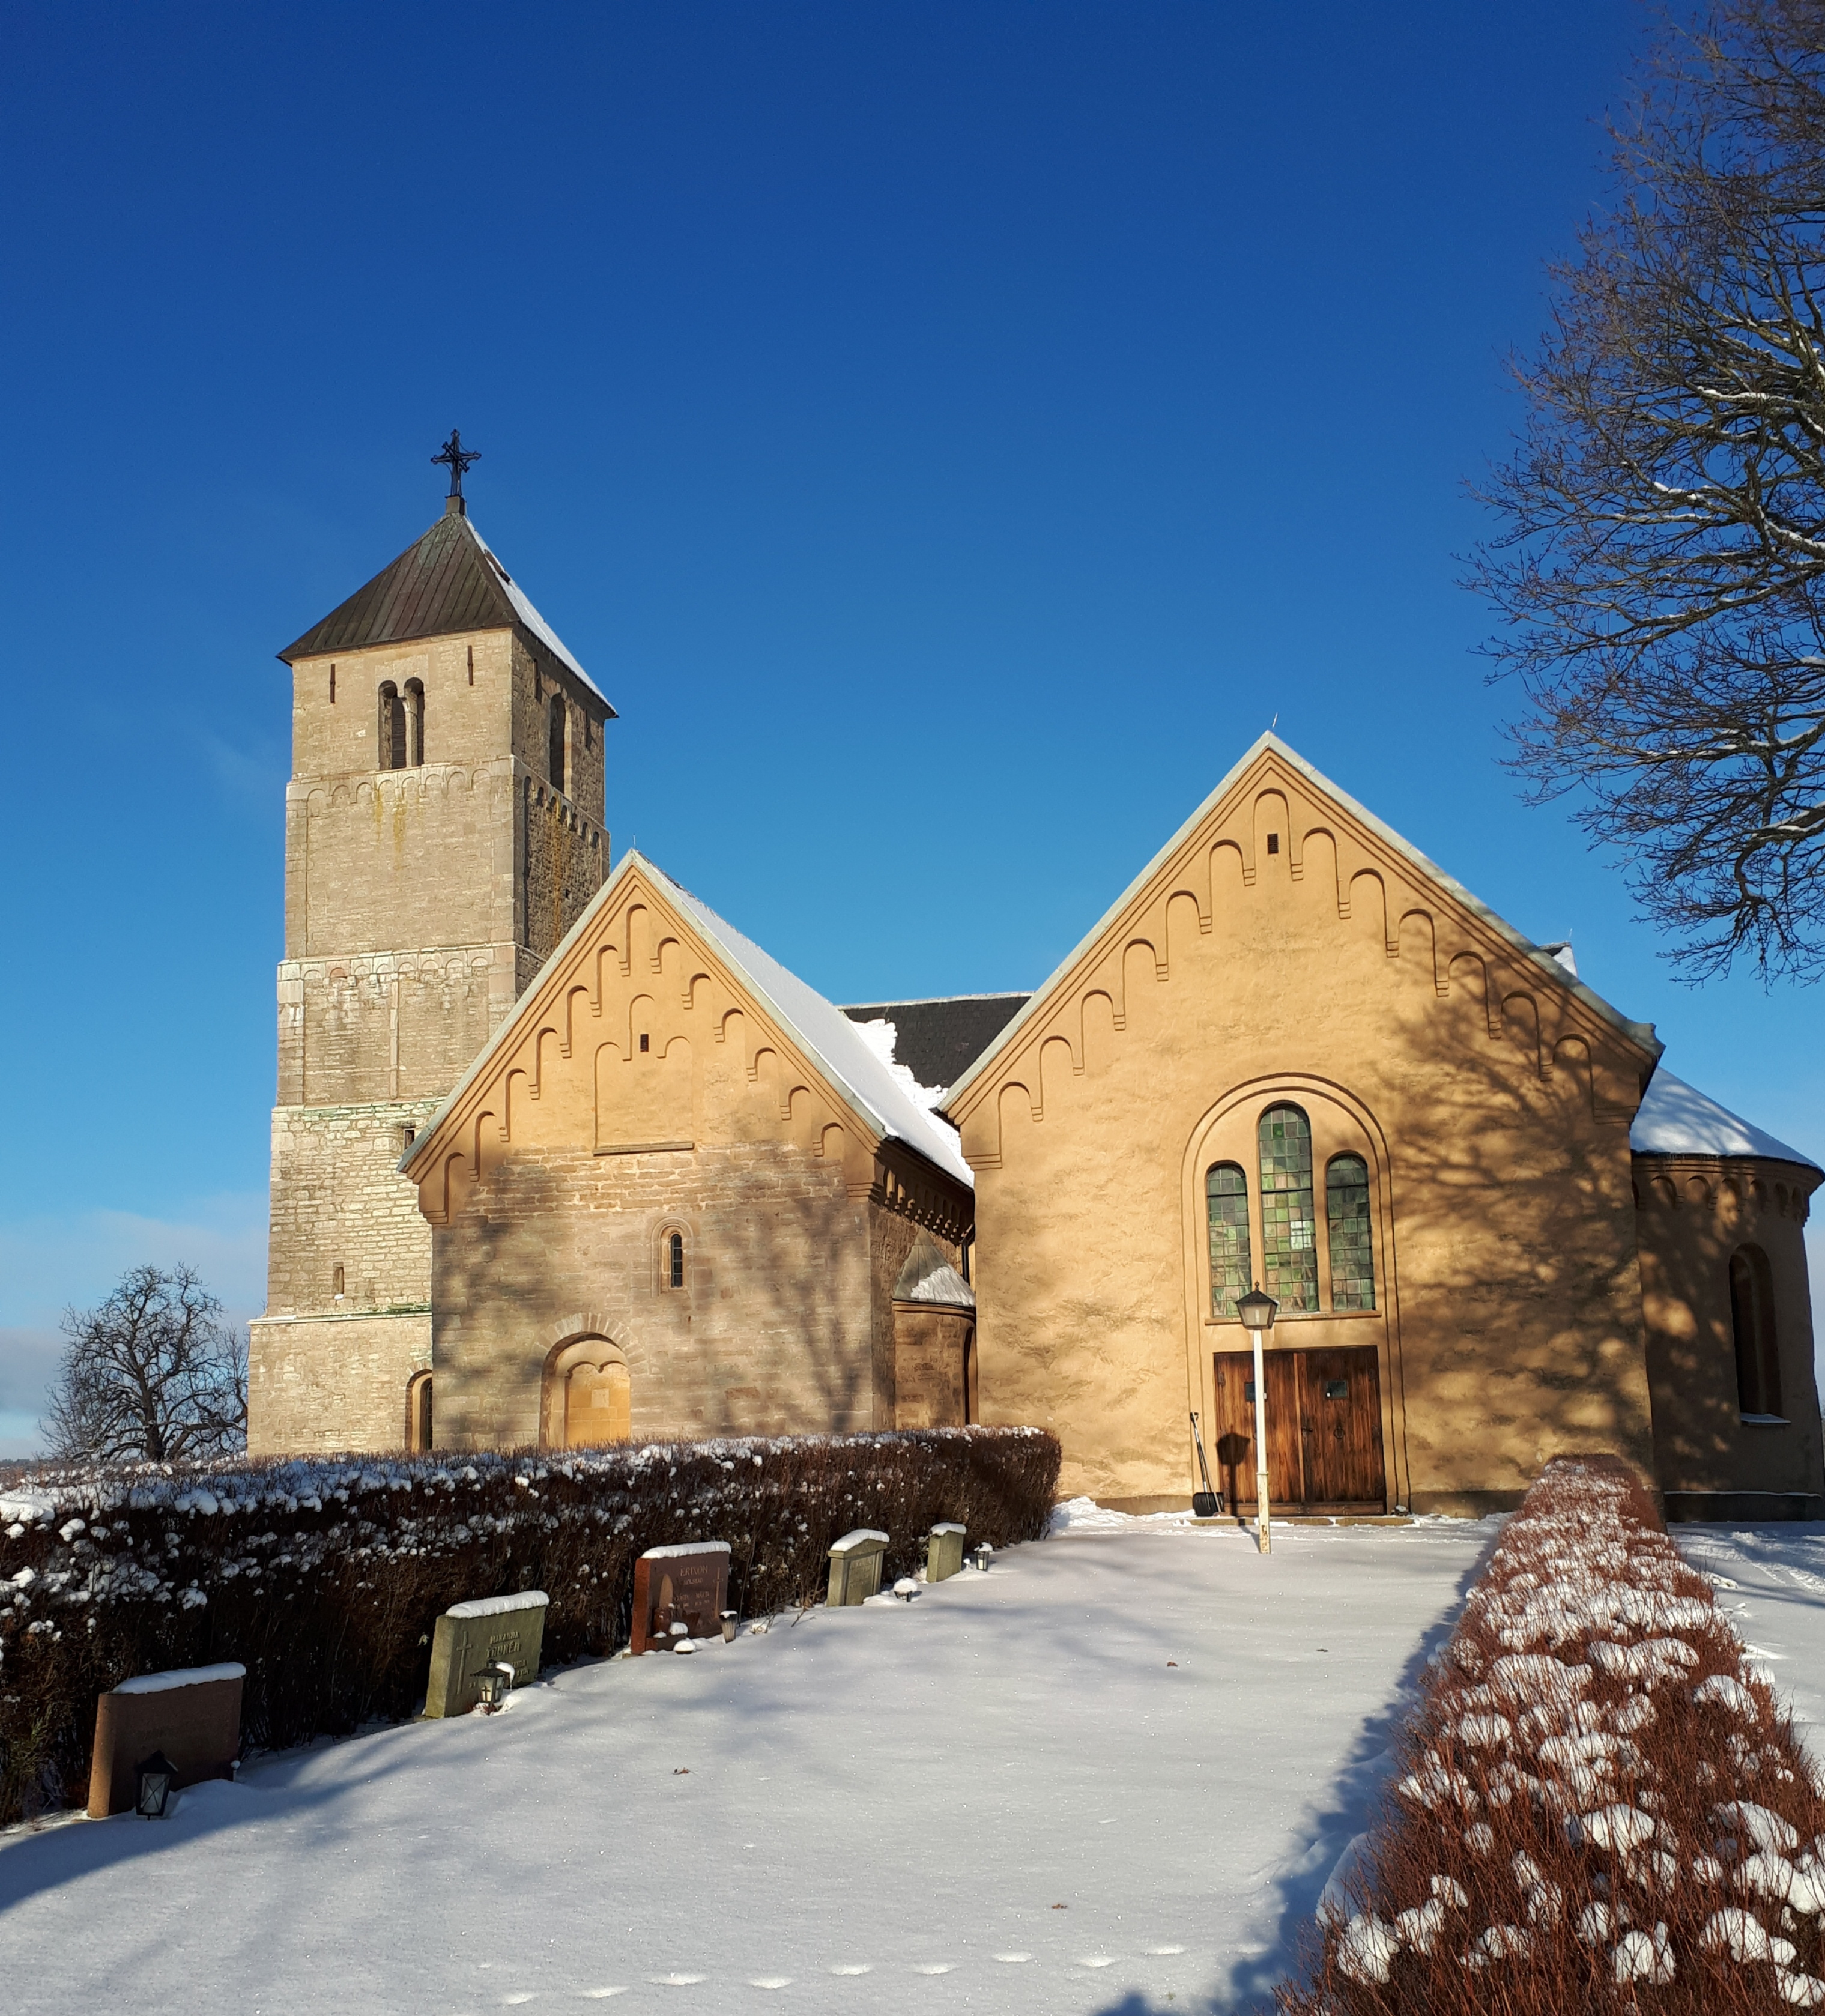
{"x": 1013, "y": 1959}
{"x": 934, "y": 1967}
{"x": 1165, "y": 1949}
{"x": 771, "y": 1981}
{"x": 1097, "y": 1959}
{"x": 525, "y": 1995}
{"x": 677, "y": 1980}
{"x": 599, "y": 1994}
{"x": 861, "y": 1967}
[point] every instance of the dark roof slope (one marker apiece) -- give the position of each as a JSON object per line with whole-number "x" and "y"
{"x": 447, "y": 583}
{"x": 938, "y": 1041}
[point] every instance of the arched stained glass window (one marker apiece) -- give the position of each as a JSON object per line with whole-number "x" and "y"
{"x": 1226, "y": 1188}
{"x": 1288, "y": 1223}
{"x": 1352, "y": 1255}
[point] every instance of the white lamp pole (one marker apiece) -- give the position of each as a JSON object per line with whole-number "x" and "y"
{"x": 1257, "y": 1312}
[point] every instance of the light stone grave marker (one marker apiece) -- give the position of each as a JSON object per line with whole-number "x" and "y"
{"x": 855, "y": 1567}
{"x": 944, "y": 1551}
{"x": 492, "y": 1630}
{"x": 687, "y": 1584}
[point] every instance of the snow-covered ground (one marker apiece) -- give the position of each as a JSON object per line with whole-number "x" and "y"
{"x": 1771, "y": 1580}
{"x": 874, "y": 1809}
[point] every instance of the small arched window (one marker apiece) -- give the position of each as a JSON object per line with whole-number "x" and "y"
{"x": 1226, "y": 1196}
{"x": 1289, "y": 1222}
{"x": 336, "y": 1280}
{"x": 1752, "y": 1332}
{"x": 1352, "y": 1255}
{"x": 558, "y": 777}
{"x": 415, "y": 723}
{"x": 675, "y": 1260}
{"x": 392, "y": 728}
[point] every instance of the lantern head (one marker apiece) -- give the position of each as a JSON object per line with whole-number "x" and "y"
{"x": 152, "y": 1782}
{"x": 1256, "y": 1310}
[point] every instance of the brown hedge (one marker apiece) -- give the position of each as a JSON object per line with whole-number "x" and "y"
{"x": 1598, "y": 1804}
{"x": 324, "y": 1576}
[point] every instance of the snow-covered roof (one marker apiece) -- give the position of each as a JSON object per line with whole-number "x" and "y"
{"x": 541, "y": 629}
{"x": 853, "y": 1067}
{"x": 836, "y": 1045}
{"x": 1674, "y": 1118}
{"x": 928, "y": 1276}
{"x": 1560, "y": 970}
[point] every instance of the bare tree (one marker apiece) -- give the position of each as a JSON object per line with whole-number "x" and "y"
{"x": 154, "y": 1373}
{"x": 1662, "y": 570}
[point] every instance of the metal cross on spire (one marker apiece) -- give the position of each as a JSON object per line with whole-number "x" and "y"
{"x": 458, "y": 458}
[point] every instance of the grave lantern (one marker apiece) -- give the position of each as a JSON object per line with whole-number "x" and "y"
{"x": 1257, "y": 1312}
{"x": 153, "y": 1781}
{"x": 981, "y": 1555}
{"x": 493, "y": 1682}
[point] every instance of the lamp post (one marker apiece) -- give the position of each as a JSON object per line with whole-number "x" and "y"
{"x": 1257, "y": 1312}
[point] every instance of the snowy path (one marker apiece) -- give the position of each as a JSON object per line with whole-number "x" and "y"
{"x": 878, "y": 1810}
{"x": 1771, "y": 1579}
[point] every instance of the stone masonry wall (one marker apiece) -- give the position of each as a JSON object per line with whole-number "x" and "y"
{"x": 771, "y": 1334}
{"x": 338, "y": 1200}
{"x": 317, "y": 1385}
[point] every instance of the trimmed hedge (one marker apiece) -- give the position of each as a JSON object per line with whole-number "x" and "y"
{"x": 1599, "y": 1804}
{"x": 324, "y": 1576}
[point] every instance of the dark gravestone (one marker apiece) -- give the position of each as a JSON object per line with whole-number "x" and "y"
{"x": 687, "y": 1584}
{"x": 193, "y": 1715}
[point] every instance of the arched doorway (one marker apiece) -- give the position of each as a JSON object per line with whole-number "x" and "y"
{"x": 588, "y": 1397}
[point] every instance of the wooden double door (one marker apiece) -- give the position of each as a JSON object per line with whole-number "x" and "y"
{"x": 1323, "y": 1430}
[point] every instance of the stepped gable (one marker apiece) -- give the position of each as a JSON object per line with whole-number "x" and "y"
{"x": 938, "y": 1041}
{"x": 449, "y": 581}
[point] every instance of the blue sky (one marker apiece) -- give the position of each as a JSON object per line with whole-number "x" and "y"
{"x": 948, "y": 433}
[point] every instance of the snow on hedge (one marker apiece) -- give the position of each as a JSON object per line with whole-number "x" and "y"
{"x": 1598, "y": 1796}
{"x": 325, "y": 1575}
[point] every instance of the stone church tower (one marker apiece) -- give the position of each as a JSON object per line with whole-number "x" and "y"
{"x": 444, "y": 829}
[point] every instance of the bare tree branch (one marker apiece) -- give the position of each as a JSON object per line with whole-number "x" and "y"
{"x": 153, "y": 1373}
{"x": 1661, "y": 572}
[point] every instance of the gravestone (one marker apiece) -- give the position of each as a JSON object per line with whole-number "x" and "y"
{"x": 855, "y": 1567}
{"x": 193, "y": 1715}
{"x": 944, "y": 1551}
{"x": 687, "y": 1584}
{"x": 493, "y": 1630}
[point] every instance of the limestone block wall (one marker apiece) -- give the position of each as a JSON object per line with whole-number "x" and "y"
{"x": 320, "y": 1384}
{"x": 772, "y": 1333}
{"x": 1693, "y": 1212}
{"x": 338, "y": 1201}
{"x": 930, "y": 1368}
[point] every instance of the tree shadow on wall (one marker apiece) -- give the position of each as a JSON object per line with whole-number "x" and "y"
{"x": 516, "y": 1258}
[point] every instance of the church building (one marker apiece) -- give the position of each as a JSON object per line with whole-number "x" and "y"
{"x": 560, "y": 1158}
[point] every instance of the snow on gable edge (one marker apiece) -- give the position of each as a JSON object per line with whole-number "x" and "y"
{"x": 1675, "y": 1118}
{"x": 852, "y": 1063}
{"x": 868, "y": 1087}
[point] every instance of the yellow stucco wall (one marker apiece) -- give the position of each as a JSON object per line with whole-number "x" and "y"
{"x": 640, "y": 1089}
{"x": 1287, "y": 949}
{"x": 1695, "y": 1211}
